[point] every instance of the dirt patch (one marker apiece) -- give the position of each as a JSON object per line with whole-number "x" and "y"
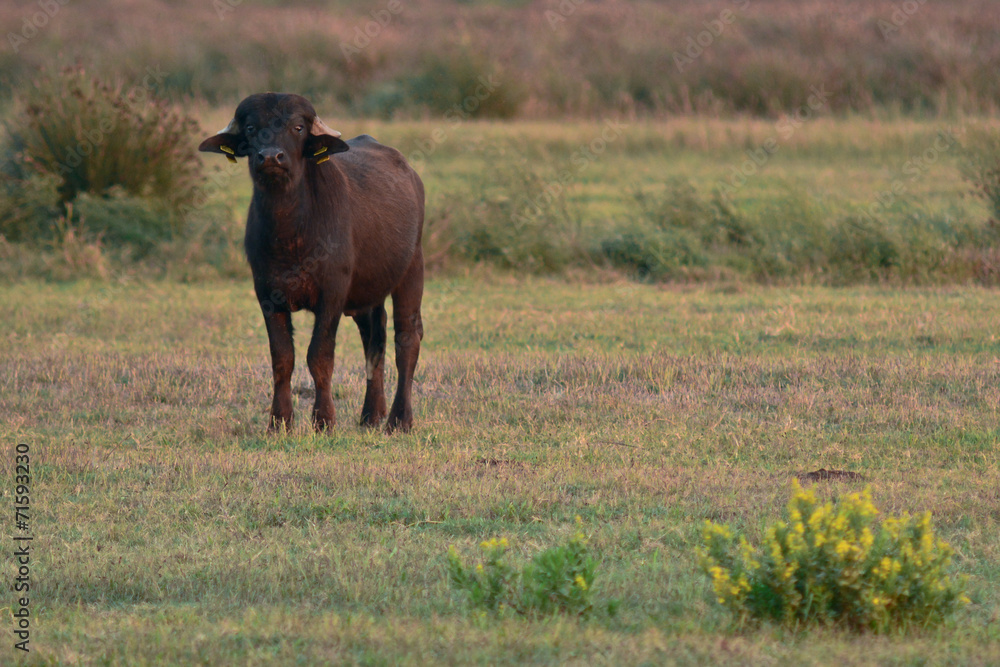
{"x": 824, "y": 475}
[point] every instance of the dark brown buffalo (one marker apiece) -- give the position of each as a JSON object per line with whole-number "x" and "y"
{"x": 334, "y": 235}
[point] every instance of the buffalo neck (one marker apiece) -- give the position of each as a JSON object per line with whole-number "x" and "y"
{"x": 290, "y": 211}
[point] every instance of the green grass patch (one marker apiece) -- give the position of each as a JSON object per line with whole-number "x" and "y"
{"x": 170, "y": 529}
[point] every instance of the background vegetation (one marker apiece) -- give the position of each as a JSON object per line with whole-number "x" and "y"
{"x": 550, "y": 57}
{"x": 840, "y": 202}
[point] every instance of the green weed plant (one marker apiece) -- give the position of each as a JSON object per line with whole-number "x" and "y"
{"x": 557, "y": 580}
{"x": 829, "y": 564}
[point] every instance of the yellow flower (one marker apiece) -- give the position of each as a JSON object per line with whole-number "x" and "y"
{"x": 493, "y": 543}
{"x": 772, "y": 538}
{"x": 581, "y": 582}
{"x": 720, "y": 579}
{"x": 867, "y": 539}
{"x": 713, "y": 529}
{"x": 747, "y": 553}
{"x": 479, "y": 568}
{"x": 816, "y": 520}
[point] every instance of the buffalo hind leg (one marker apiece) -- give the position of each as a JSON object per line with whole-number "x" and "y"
{"x": 320, "y": 359}
{"x": 279, "y": 336}
{"x": 409, "y": 331}
{"x": 371, "y": 324}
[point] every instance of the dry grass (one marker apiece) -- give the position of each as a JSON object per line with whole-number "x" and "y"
{"x": 170, "y": 529}
{"x": 599, "y": 59}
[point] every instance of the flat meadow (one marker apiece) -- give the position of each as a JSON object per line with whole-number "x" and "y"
{"x": 170, "y": 529}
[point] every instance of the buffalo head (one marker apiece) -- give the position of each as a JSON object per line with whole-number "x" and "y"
{"x": 280, "y": 134}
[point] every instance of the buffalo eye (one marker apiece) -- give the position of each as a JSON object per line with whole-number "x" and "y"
{"x": 250, "y": 129}
{"x": 298, "y": 129}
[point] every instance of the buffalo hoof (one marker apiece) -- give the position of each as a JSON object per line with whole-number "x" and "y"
{"x": 371, "y": 421}
{"x": 398, "y": 424}
{"x": 323, "y": 423}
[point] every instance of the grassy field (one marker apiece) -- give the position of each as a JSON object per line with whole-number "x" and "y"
{"x": 169, "y": 529}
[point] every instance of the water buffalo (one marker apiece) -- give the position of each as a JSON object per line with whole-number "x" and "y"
{"x": 333, "y": 227}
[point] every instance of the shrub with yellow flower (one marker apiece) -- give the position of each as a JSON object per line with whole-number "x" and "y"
{"x": 827, "y": 564}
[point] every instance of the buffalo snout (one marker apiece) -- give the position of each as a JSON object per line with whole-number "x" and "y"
{"x": 271, "y": 157}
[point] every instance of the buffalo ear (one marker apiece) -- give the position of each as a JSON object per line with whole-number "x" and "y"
{"x": 228, "y": 141}
{"x": 323, "y": 142}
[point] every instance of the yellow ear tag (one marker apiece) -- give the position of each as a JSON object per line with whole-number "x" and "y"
{"x": 227, "y": 149}
{"x": 320, "y": 151}
{"x": 323, "y": 159}
{"x": 231, "y": 159}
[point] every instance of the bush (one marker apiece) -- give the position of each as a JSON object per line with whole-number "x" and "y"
{"x": 102, "y": 141}
{"x": 517, "y": 216}
{"x": 672, "y": 234}
{"x": 681, "y": 233}
{"x": 559, "y": 579}
{"x": 655, "y": 254}
{"x": 863, "y": 249}
{"x": 463, "y": 83}
{"x": 122, "y": 219}
{"x": 826, "y": 565}
{"x": 29, "y": 207}
{"x": 981, "y": 166}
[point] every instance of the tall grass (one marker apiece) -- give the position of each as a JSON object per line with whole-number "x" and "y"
{"x": 683, "y": 232}
{"x": 643, "y": 57}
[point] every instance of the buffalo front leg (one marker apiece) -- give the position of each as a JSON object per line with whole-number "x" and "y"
{"x": 371, "y": 325}
{"x": 279, "y": 336}
{"x": 320, "y": 360}
{"x": 409, "y": 332}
